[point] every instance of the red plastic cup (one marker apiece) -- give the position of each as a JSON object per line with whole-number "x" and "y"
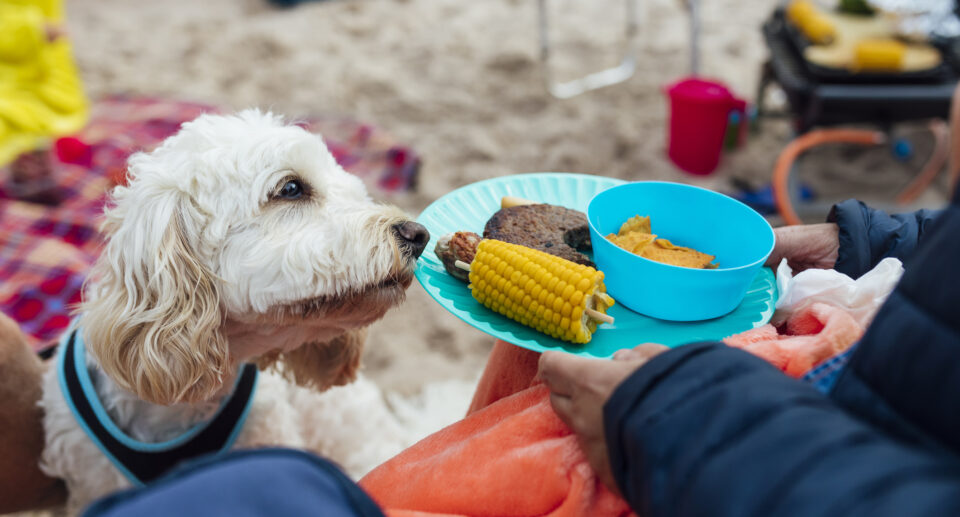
{"x": 699, "y": 111}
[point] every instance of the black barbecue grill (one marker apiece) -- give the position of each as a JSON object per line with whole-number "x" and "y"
{"x": 820, "y": 96}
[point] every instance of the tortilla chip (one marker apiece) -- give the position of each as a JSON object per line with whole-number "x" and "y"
{"x": 636, "y": 224}
{"x": 636, "y": 237}
{"x": 634, "y": 242}
{"x": 666, "y": 252}
{"x": 664, "y": 243}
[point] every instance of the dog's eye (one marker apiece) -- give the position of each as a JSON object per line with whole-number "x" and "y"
{"x": 292, "y": 189}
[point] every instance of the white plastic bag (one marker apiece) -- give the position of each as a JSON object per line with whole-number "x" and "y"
{"x": 861, "y": 297}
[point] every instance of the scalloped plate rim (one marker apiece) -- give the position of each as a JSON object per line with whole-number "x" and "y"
{"x": 543, "y": 342}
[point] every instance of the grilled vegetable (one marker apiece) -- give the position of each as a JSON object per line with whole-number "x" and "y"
{"x": 453, "y": 247}
{"x": 855, "y": 7}
{"x": 558, "y": 297}
{"x": 879, "y": 54}
{"x": 815, "y": 25}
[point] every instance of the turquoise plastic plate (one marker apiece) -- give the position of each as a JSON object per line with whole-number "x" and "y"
{"x": 469, "y": 207}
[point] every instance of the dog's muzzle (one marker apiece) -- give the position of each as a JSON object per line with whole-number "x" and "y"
{"x": 413, "y": 237}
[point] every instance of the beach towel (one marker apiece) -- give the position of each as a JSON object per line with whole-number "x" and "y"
{"x": 47, "y": 248}
{"x": 511, "y": 456}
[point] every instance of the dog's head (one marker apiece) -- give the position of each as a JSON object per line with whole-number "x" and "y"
{"x": 241, "y": 223}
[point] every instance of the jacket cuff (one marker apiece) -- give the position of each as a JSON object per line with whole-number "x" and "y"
{"x": 853, "y": 256}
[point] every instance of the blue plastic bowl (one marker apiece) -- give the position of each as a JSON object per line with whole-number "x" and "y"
{"x": 707, "y": 221}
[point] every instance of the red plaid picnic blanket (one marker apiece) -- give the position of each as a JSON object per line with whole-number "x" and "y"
{"x": 45, "y": 251}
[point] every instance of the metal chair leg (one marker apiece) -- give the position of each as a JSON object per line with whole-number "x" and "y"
{"x": 610, "y": 76}
{"x": 694, "y": 7}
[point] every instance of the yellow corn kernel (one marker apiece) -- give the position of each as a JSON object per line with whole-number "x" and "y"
{"x": 538, "y": 290}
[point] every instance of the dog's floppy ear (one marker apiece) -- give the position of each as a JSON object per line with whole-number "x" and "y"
{"x": 153, "y": 315}
{"x": 320, "y": 365}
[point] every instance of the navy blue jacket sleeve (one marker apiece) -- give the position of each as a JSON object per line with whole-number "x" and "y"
{"x": 868, "y": 236}
{"x": 905, "y": 373}
{"x": 707, "y": 430}
{"x": 250, "y": 483}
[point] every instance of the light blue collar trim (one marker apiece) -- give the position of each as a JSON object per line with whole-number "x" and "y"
{"x": 90, "y": 392}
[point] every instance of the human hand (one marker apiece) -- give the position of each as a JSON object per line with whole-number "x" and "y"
{"x": 807, "y": 246}
{"x": 579, "y": 388}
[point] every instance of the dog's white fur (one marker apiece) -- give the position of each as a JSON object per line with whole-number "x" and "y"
{"x": 207, "y": 267}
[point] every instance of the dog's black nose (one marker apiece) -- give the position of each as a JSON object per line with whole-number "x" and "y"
{"x": 413, "y": 236}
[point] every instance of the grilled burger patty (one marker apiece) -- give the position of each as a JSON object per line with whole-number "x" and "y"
{"x": 553, "y": 229}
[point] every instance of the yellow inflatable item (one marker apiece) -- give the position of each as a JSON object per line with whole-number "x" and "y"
{"x": 816, "y": 26}
{"x": 880, "y": 54}
{"x": 41, "y": 96}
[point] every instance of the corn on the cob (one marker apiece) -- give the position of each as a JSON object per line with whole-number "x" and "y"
{"x": 555, "y": 296}
{"x": 815, "y": 25}
{"x": 881, "y": 54}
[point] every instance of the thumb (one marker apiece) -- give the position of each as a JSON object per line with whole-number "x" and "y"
{"x": 642, "y": 352}
{"x": 625, "y": 354}
{"x": 560, "y": 371}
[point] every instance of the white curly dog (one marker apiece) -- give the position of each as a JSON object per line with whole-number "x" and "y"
{"x": 239, "y": 240}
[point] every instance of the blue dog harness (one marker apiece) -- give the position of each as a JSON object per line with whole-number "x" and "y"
{"x": 143, "y": 462}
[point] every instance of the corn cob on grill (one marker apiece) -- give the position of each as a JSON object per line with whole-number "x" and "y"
{"x": 881, "y": 54}
{"x": 814, "y": 24}
{"x": 555, "y": 296}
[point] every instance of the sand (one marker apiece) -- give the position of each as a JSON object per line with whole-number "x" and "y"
{"x": 461, "y": 83}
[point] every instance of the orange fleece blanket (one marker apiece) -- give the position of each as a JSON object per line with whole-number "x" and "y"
{"x": 809, "y": 337}
{"x": 512, "y": 456}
